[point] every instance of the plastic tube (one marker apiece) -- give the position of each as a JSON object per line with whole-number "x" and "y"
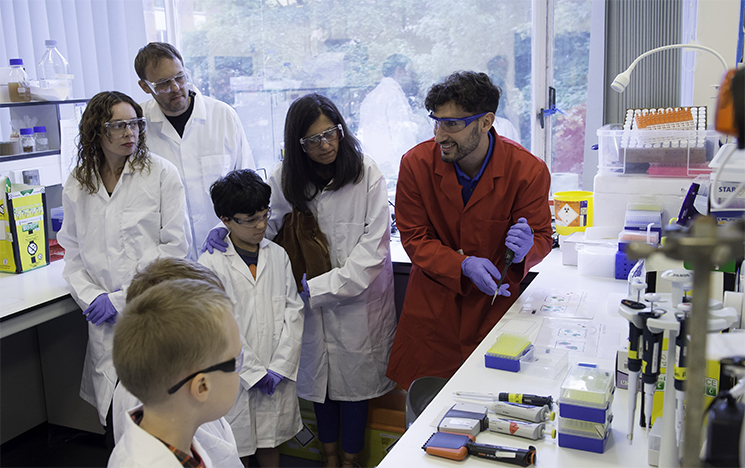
{"x": 525, "y": 412}
{"x": 527, "y": 430}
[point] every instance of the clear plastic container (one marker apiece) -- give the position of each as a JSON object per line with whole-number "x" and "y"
{"x": 53, "y": 70}
{"x": 40, "y": 138}
{"x": 588, "y": 429}
{"x": 28, "y": 145}
{"x": 587, "y": 386}
{"x": 18, "y": 85}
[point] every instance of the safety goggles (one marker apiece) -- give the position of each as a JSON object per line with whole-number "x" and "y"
{"x": 331, "y": 135}
{"x": 255, "y": 221}
{"x": 454, "y": 125}
{"x": 231, "y": 365}
{"x": 166, "y": 86}
{"x": 118, "y": 128}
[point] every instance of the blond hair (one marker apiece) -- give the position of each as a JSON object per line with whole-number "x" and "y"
{"x": 169, "y": 268}
{"x": 170, "y": 330}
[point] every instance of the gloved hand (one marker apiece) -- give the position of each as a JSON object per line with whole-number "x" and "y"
{"x": 305, "y": 293}
{"x": 504, "y": 290}
{"x": 101, "y": 310}
{"x": 274, "y": 380}
{"x": 519, "y": 239}
{"x": 263, "y": 384}
{"x": 483, "y": 273}
{"x": 215, "y": 240}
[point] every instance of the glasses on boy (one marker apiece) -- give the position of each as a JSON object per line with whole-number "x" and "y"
{"x": 118, "y": 128}
{"x": 253, "y": 222}
{"x": 331, "y": 135}
{"x": 166, "y": 85}
{"x": 231, "y": 365}
{"x": 454, "y": 125}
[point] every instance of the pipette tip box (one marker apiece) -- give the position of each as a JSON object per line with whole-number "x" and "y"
{"x": 507, "y": 352}
{"x": 587, "y": 444}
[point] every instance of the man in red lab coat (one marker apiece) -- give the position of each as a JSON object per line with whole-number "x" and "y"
{"x": 462, "y": 199}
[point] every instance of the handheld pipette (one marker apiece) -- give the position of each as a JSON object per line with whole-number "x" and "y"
{"x": 628, "y": 310}
{"x": 651, "y": 359}
{"x": 508, "y": 257}
{"x": 681, "y": 369}
{"x": 520, "y": 398}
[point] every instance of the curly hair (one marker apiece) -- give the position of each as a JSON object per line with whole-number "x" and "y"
{"x": 92, "y": 129}
{"x": 300, "y": 181}
{"x": 471, "y": 91}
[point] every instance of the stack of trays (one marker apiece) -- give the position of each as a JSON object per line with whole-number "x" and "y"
{"x": 585, "y": 411}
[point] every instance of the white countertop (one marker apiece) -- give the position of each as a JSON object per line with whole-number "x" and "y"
{"x": 474, "y": 376}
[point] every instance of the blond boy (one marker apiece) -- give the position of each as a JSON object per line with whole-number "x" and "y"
{"x": 178, "y": 350}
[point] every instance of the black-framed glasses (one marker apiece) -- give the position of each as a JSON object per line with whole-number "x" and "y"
{"x": 166, "y": 86}
{"x": 253, "y": 222}
{"x": 231, "y": 365}
{"x": 118, "y": 128}
{"x": 331, "y": 135}
{"x": 454, "y": 125}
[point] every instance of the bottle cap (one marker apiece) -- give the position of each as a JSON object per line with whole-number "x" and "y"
{"x": 16, "y": 62}
{"x": 27, "y": 131}
{"x": 40, "y": 129}
{"x": 50, "y": 42}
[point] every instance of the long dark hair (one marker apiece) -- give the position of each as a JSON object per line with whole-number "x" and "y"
{"x": 300, "y": 179}
{"x": 92, "y": 129}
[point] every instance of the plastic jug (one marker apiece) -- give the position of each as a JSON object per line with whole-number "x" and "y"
{"x": 54, "y": 71}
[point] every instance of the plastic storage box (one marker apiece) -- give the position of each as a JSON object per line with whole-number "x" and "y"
{"x": 664, "y": 153}
{"x": 587, "y": 386}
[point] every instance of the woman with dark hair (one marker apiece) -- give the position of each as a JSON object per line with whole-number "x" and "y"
{"x": 350, "y": 316}
{"x": 124, "y": 207}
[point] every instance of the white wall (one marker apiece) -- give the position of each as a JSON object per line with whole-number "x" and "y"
{"x": 717, "y": 28}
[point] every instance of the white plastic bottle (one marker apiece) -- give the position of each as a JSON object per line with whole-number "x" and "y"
{"x": 18, "y": 85}
{"x": 54, "y": 71}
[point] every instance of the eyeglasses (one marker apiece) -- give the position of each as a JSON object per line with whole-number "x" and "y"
{"x": 331, "y": 135}
{"x": 253, "y": 222}
{"x": 118, "y": 128}
{"x": 454, "y": 125}
{"x": 166, "y": 85}
{"x": 231, "y": 365}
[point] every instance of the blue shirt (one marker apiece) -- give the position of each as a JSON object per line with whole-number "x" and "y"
{"x": 468, "y": 184}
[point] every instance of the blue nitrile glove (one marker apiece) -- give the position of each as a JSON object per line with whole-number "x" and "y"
{"x": 101, "y": 310}
{"x": 305, "y": 293}
{"x": 519, "y": 239}
{"x": 263, "y": 384}
{"x": 274, "y": 380}
{"x": 215, "y": 240}
{"x": 483, "y": 273}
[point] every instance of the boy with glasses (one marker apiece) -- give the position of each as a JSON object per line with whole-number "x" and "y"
{"x": 463, "y": 200}
{"x": 258, "y": 278}
{"x": 178, "y": 350}
{"x": 201, "y": 136}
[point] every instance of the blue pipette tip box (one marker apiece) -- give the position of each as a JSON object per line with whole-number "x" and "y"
{"x": 584, "y": 443}
{"x": 507, "y": 364}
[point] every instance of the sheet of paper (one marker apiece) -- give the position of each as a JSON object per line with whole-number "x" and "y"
{"x": 68, "y": 146}
{"x": 562, "y": 304}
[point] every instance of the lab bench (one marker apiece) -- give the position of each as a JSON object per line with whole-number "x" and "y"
{"x": 474, "y": 376}
{"x": 42, "y": 350}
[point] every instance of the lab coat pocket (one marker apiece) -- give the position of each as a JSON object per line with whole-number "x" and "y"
{"x": 214, "y": 167}
{"x": 352, "y": 327}
{"x": 140, "y": 233}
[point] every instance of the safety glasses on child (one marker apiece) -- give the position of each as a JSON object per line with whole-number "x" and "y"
{"x": 329, "y": 136}
{"x": 118, "y": 128}
{"x": 254, "y": 221}
{"x": 231, "y": 365}
{"x": 167, "y": 85}
{"x": 454, "y": 125}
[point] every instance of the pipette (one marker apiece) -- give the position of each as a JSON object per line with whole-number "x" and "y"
{"x": 629, "y": 310}
{"x": 508, "y": 257}
{"x": 651, "y": 359}
{"x": 520, "y": 398}
{"x": 681, "y": 369}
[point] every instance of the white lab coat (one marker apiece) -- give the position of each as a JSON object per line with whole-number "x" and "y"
{"x": 269, "y": 313}
{"x": 504, "y": 128}
{"x": 387, "y": 126}
{"x": 106, "y": 239}
{"x": 349, "y": 329}
{"x": 213, "y": 145}
{"x": 138, "y": 449}
{"x": 215, "y": 437}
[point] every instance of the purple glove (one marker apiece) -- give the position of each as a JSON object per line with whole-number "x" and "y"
{"x": 483, "y": 273}
{"x": 305, "y": 293}
{"x": 263, "y": 384}
{"x": 215, "y": 240}
{"x": 101, "y": 310}
{"x": 520, "y": 239}
{"x": 274, "y": 380}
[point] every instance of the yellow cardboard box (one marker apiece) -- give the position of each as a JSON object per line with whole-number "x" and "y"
{"x": 23, "y": 230}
